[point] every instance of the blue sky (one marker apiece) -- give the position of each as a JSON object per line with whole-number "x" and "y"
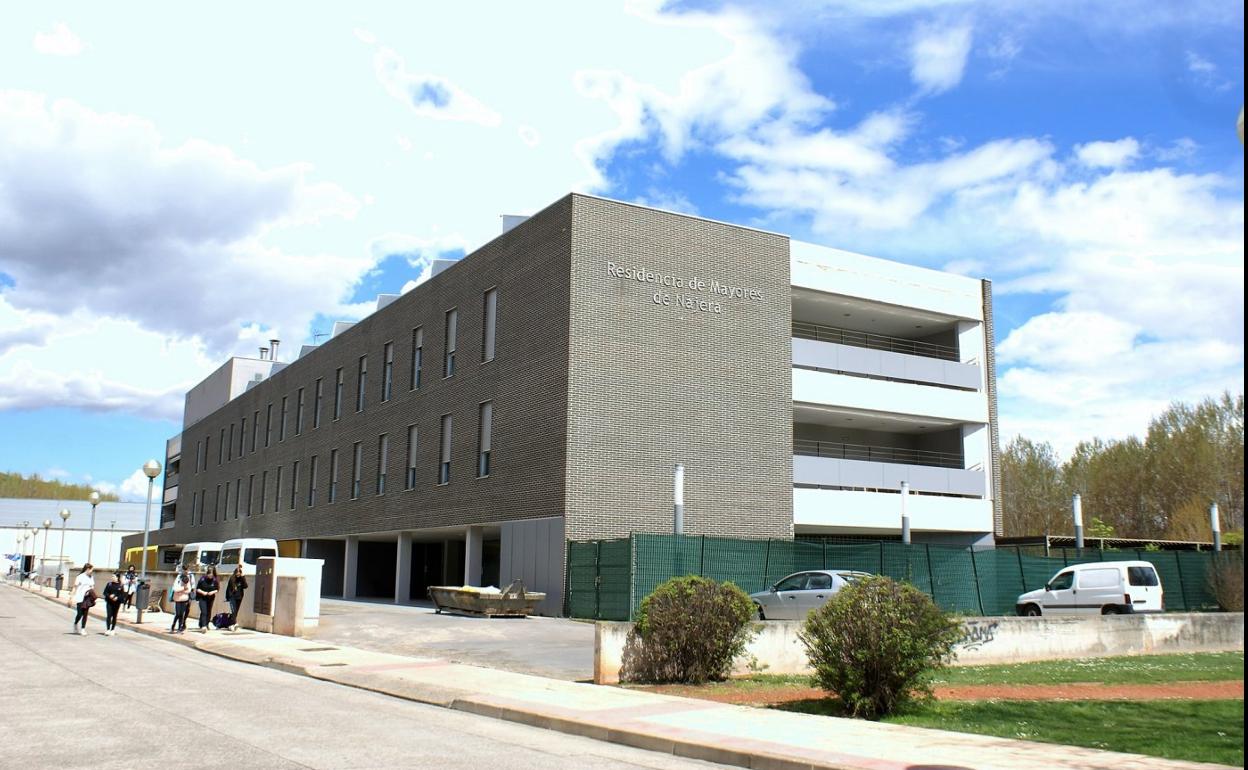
{"x": 176, "y": 187}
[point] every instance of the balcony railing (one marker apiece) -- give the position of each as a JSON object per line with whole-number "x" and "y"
{"x": 877, "y": 454}
{"x": 809, "y": 331}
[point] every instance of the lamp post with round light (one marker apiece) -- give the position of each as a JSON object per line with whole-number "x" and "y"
{"x": 64, "y": 514}
{"x": 94, "y": 499}
{"x": 151, "y": 469}
{"x": 43, "y": 561}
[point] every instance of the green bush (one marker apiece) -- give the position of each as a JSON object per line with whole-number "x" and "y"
{"x": 876, "y": 643}
{"x": 689, "y": 630}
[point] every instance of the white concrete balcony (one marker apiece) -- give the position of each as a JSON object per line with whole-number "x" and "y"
{"x": 873, "y": 513}
{"x": 855, "y": 359}
{"x": 860, "y": 394}
{"x": 862, "y": 474}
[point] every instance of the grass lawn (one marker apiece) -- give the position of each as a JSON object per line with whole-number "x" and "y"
{"x": 1137, "y": 669}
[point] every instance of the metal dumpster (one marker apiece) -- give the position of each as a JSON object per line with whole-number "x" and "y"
{"x": 512, "y": 602}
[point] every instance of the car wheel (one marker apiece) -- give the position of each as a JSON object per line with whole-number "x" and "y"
{"x": 1110, "y": 609}
{"x": 761, "y": 615}
{"x": 1031, "y": 611}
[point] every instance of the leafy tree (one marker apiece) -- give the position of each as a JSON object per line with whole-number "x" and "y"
{"x": 38, "y": 488}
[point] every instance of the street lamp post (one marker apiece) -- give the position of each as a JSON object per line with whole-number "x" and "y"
{"x": 112, "y": 524}
{"x": 43, "y": 562}
{"x": 151, "y": 469}
{"x": 60, "y": 564}
{"x": 94, "y": 499}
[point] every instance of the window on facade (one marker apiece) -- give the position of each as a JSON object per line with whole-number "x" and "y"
{"x": 216, "y": 504}
{"x": 221, "y": 448}
{"x": 294, "y": 484}
{"x": 238, "y": 496}
{"x": 450, "y": 332}
{"x": 207, "y": 450}
{"x": 444, "y": 451}
{"x": 333, "y": 475}
{"x": 409, "y": 476}
{"x": 357, "y": 465}
{"x": 268, "y": 424}
{"x": 255, "y": 429}
{"x": 338, "y": 394}
{"x": 312, "y": 481}
{"x": 489, "y": 315}
{"x": 277, "y": 491}
{"x": 485, "y": 429}
{"x": 203, "y": 497}
{"x": 194, "y": 505}
{"x": 251, "y": 490}
{"x": 361, "y": 382}
{"x": 316, "y": 404}
{"x": 281, "y": 426}
{"x": 418, "y": 356}
{"x": 299, "y": 413}
{"x": 229, "y": 447}
{"x": 199, "y": 455}
{"x": 387, "y": 370}
{"x": 383, "y": 455}
{"x": 264, "y": 491}
{"x": 242, "y": 437}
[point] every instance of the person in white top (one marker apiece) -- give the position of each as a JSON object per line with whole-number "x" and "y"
{"x": 84, "y": 597}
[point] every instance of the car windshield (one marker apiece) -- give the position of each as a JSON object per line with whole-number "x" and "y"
{"x": 792, "y": 583}
{"x": 207, "y": 558}
{"x": 229, "y": 557}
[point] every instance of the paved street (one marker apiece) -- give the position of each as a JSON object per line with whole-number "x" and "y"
{"x": 136, "y": 702}
{"x": 553, "y": 647}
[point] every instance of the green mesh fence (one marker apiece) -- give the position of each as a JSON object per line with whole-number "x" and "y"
{"x": 607, "y": 579}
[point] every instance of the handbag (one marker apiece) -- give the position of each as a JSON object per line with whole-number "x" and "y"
{"x": 88, "y": 599}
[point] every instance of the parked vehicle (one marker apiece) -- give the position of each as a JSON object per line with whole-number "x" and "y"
{"x": 1098, "y": 588}
{"x": 794, "y": 596}
{"x": 246, "y": 551}
{"x": 196, "y": 557}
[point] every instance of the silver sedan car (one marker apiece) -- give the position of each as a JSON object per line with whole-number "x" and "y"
{"x": 794, "y": 596}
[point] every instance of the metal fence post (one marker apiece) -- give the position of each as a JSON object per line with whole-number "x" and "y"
{"x": 1178, "y": 568}
{"x": 766, "y": 567}
{"x": 702, "y": 559}
{"x": 931, "y": 577}
{"x": 979, "y": 595}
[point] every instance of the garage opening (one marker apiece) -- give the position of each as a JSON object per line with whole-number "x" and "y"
{"x": 333, "y": 553}
{"x": 375, "y": 570}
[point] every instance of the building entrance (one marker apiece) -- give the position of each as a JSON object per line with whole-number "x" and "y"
{"x": 375, "y": 569}
{"x": 427, "y": 569}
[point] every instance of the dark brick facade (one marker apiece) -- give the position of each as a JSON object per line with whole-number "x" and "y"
{"x": 597, "y": 391}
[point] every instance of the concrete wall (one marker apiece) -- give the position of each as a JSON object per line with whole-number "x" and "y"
{"x": 663, "y": 370}
{"x": 777, "y": 650}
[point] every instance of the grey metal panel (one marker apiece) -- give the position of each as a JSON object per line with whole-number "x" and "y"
{"x": 818, "y": 355}
{"x": 894, "y": 365}
{"x": 858, "y": 473}
{"x": 858, "y": 359}
{"x": 962, "y": 375}
{"x": 532, "y": 551}
{"x": 832, "y": 472}
{"x": 924, "y": 369}
{"x": 882, "y": 363}
{"x": 964, "y": 482}
{"x": 927, "y": 478}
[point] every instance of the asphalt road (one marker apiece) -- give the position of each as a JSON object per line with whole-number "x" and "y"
{"x": 136, "y": 702}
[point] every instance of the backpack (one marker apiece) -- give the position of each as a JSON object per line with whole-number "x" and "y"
{"x": 221, "y": 620}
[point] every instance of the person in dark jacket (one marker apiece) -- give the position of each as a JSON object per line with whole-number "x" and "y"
{"x": 180, "y": 593}
{"x": 130, "y": 580}
{"x": 206, "y": 593}
{"x": 234, "y": 590}
{"x": 114, "y": 596}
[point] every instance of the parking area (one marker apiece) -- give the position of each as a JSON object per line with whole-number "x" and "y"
{"x": 552, "y": 647}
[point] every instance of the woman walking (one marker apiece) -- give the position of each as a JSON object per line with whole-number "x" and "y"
{"x": 234, "y": 590}
{"x": 128, "y": 582}
{"x": 84, "y": 597}
{"x": 114, "y": 595}
{"x": 206, "y": 592}
{"x": 181, "y": 595}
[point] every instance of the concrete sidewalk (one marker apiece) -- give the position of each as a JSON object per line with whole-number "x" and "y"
{"x": 737, "y": 735}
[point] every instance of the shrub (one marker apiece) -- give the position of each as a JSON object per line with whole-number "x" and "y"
{"x": 689, "y": 630}
{"x": 1226, "y": 580}
{"x": 876, "y": 643}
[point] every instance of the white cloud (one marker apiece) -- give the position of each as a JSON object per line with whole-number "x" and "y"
{"x": 938, "y": 56}
{"x": 134, "y": 488}
{"x": 1108, "y": 154}
{"x": 1199, "y": 64}
{"x": 61, "y": 41}
{"x": 431, "y": 96}
{"x": 529, "y": 135}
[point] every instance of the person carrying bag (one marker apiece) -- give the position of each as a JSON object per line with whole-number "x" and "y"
{"x": 234, "y": 590}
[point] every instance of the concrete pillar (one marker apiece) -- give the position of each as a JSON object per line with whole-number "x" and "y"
{"x": 403, "y": 569}
{"x": 474, "y": 536}
{"x": 349, "y": 564}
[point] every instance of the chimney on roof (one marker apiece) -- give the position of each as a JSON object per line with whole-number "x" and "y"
{"x": 273, "y": 346}
{"x": 264, "y": 354}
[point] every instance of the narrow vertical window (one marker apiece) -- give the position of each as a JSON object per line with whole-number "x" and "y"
{"x": 357, "y": 462}
{"x": 242, "y": 437}
{"x": 238, "y": 496}
{"x": 264, "y": 491}
{"x": 489, "y": 314}
{"x": 194, "y": 505}
{"x": 361, "y": 382}
{"x": 199, "y": 454}
{"x": 221, "y": 448}
{"x": 387, "y": 370}
{"x": 277, "y": 491}
{"x": 299, "y": 413}
{"x": 333, "y": 475}
{"x": 229, "y": 448}
{"x": 409, "y": 476}
{"x": 450, "y": 332}
{"x": 216, "y": 504}
{"x": 281, "y": 426}
{"x": 294, "y": 484}
{"x": 383, "y": 452}
{"x": 418, "y": 358}
{"x": 316, "y": 404}
{"x": 444, "y": 451}
{"x": 203, "y": 497}
{"x": 251, "y": 491}
{"x": 255, "y": 429}
{"x": 268, "y": 425}
{"x": 312, "y": 482}
{"x": 207, "y": 450}
{"x": 227, "y": 500}
{"x": 338, "y": 394}
{"x": 485, "y": 430}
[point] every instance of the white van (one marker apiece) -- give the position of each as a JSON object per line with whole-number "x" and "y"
{"x": 196, "y": 557}
{"x": 246, "y": 551}
{"x": 1098, "y": 588}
